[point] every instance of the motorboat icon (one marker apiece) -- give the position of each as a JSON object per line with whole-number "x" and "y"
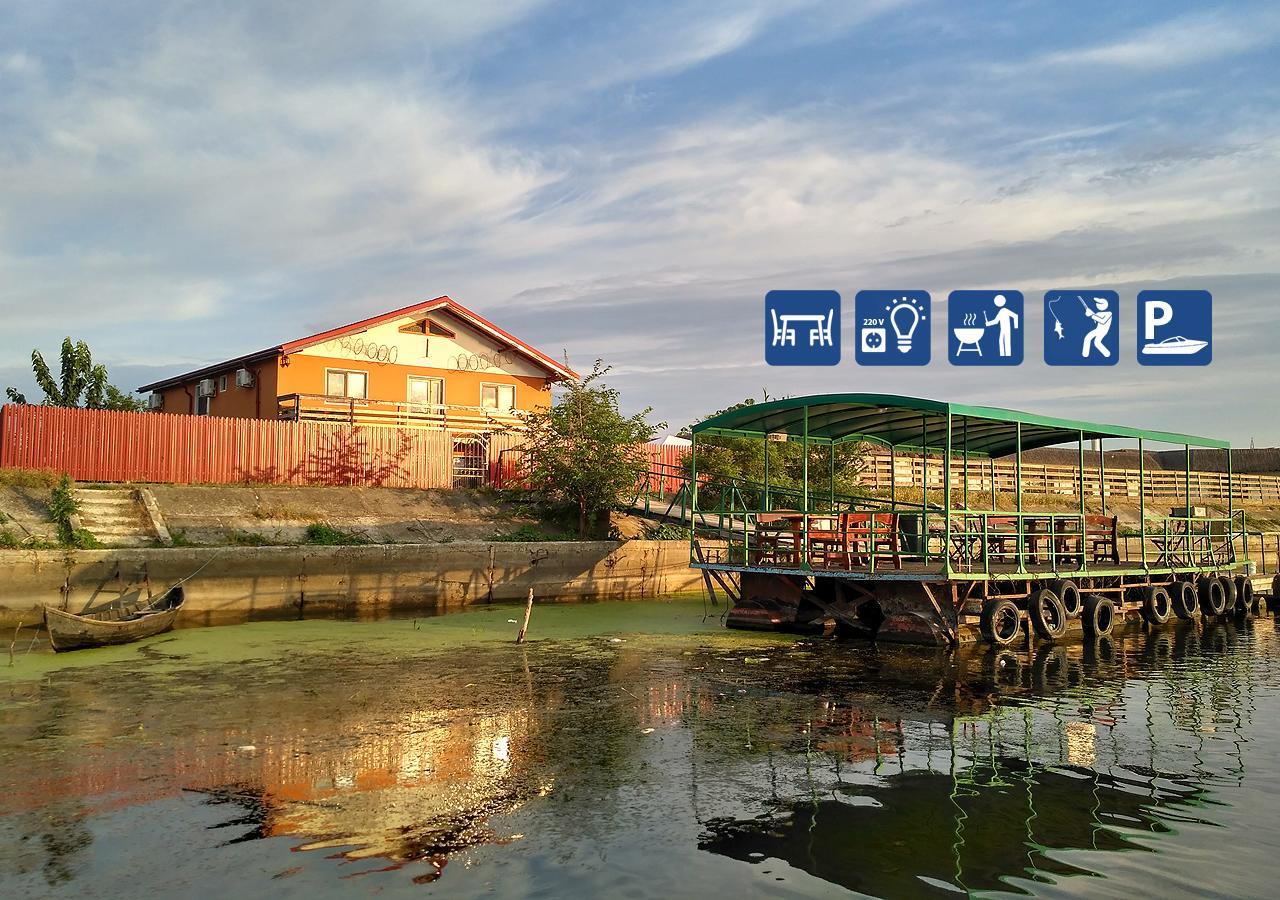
{"x": 1175, "y": 346}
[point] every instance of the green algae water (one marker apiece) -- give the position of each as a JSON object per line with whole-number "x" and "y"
{"x": 638, "y": 749}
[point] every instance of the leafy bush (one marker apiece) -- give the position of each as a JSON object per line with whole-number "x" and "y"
{"x": 583, "y": 450}
{"x": 180, "y": 539}
{"x": 245, "y": 539}
{"x": 83, "y": 539}
{"x": 28, "y": 478}
{"x": 666, "y": 531}
{"x": 528, "y": 534}
{"x": 326, "y": 535}
{"x": 62, "y": 506}
{"x": 82, "y": 382}
{"x": 10, "y": 541}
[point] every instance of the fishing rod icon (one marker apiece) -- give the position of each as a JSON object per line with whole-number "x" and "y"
{"x": 1057, "y": 323}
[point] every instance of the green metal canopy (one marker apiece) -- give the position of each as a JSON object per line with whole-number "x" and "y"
{"x": 915, "y": 423}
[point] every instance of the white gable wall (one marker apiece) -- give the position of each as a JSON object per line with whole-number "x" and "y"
{"x": 469, "y": 351}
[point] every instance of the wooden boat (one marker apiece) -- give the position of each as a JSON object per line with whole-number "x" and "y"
{"x": 117, "y": 623}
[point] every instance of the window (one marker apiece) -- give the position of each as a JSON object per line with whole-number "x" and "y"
{"x": 202, "y": 406}
{"x": 426, "y": 326}
{"x": 426, "y": 392}
{"x": 222, "y": 384}
{"x": 342, "y": 383}
{"x": 498, "y": 396}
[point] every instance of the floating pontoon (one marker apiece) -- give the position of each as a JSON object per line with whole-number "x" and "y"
{"x": 930, "y": 569}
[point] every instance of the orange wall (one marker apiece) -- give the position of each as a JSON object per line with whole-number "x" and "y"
{"x": 304, "y": 374}
{"x": 257, "y": 402}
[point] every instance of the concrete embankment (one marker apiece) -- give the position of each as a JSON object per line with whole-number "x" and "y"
{"x": 237, "y": 583}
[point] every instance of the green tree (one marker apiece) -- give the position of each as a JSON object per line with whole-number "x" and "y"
{"x": 582, "y": 450}
{"x": 82, "y": 383}
{"x": 722, "y": 458}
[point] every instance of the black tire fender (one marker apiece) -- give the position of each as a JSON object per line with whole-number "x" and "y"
{"x": 1229, "y": 589}
{"x": 1069, "y": 593}
{"x": 1186, "y": 600}
{"x": 998, "y": 615}
{"x": 1048, "y": 617}
{"x": 1213, "y": 597}
{"x": 1157, "y": 605}
{"x": 1099, "y": 615}
{"x": 1244, "y": 596}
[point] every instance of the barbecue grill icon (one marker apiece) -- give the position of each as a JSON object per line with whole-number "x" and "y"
{"x": 969, "y": 335}
{"x": 984, "y": 328}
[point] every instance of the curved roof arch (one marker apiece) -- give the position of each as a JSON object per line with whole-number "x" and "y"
{"x": 915, "y": 423}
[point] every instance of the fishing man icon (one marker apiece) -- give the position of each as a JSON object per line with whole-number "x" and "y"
{"x": 1103, "y": 317}
{"x": 1007, "y": 319}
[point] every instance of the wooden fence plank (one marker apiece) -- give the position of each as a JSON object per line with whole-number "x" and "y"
{"x": 103, "y": 445}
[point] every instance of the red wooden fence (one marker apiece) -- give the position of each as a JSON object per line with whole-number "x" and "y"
{"x": 665, "y": 468}
{"x": 100, "y": 445}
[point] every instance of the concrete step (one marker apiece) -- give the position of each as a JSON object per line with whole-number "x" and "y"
{"x": 115, "y": 517}
{"x": 114, "y": 528}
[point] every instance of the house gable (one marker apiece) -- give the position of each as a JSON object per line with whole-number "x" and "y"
{"x": 450, "y": 343}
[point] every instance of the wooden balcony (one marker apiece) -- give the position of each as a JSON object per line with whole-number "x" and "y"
{"x": 391, "y": 413}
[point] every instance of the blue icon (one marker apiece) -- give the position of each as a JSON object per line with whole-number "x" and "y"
{"x": 984, "y": 328}
{"x": 1082, "y": 328}
{"x": 1175, "y": 328}
{"x": 892, "y": 328}
{"x": 802, "y": 328}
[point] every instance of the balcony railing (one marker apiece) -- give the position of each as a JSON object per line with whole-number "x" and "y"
{"x": 351, "y": 411}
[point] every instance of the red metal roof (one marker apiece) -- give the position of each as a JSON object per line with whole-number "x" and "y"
{"x": 444, "y": 303}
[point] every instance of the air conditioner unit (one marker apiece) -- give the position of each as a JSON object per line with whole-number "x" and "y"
{"x": 155, "y": 401}
{"x": 244, "y": 378}
{"x": 205, "y": 388}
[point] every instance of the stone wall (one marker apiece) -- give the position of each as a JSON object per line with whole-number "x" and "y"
{"x": 237, "y": 583}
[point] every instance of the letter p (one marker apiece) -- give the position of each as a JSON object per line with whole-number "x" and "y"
{"x": 1155, "y": 313}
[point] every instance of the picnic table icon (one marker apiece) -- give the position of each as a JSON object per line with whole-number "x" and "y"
{"x": 784, "y": 331}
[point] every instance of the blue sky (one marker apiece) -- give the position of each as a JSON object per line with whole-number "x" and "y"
{"x": 186, "y": 181}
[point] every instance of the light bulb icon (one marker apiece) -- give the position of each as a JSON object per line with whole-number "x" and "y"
{"x": 904, "y": 316}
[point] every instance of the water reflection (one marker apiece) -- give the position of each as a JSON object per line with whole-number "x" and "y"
{"x": 890, "y": 772}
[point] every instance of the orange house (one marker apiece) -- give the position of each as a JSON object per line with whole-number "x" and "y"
{"x": 433, "y": 364}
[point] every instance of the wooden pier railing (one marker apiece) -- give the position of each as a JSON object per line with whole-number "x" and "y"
{"x": 880, "y": 471}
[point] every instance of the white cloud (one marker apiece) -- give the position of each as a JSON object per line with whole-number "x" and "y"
{"x": 204, "y": 191}
{"x": 1186, "y": 40}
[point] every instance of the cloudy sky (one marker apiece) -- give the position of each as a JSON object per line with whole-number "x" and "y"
{"x": 182, "y": 182}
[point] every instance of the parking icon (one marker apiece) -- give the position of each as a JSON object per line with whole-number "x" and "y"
{"x": 1175, "y": 328}
{"x": 802, "y": 328}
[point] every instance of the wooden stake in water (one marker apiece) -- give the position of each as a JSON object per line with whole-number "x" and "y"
{"x": 528, "y": 610}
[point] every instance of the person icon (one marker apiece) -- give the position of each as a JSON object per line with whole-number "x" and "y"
{"x": 1007, "y": 320}
{"x": 1103, "y": 317}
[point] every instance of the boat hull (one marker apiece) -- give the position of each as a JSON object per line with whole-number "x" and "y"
{"x": 1186, "y": 349}
{"x": 68, "y": 631}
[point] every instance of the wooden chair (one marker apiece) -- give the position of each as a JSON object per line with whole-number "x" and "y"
{"x": 776, "y": 544}
{"x": 827, "y": 548}
{"x": 1002, "y": 538}
{"x": 862, "y": 541}
{"x": 1101, "y": 537}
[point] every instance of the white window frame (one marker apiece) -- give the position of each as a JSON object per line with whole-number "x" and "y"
{"x": 222, "y": 384}
{"x": 337, "y": 398}
{"x": 408, "y": 394}
{"x": 498, "y": 385}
